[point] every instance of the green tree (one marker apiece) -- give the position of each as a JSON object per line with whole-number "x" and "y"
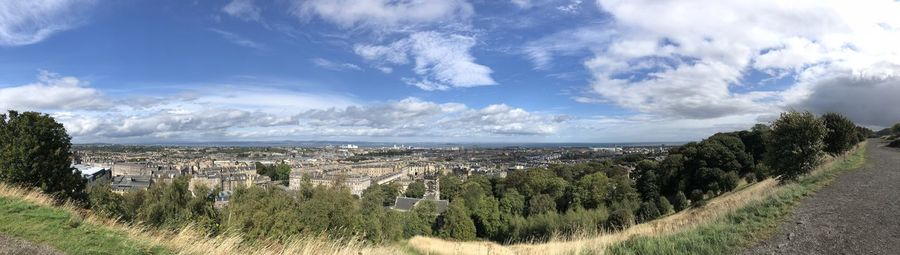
{"x": 415, "y": 189}
{"x": 450, "y": 186}
{"x": 680, "y": 201}
{"x": 263, "y": 214}
{"x": 841, "y": 134}
{"x": 421, "y": 219}
{"x": 648, "y": 211}
{"x": 486, "y": 216}
{"x": 35, "y": 151}
{"x": 796, "y": 145}
{"x": 541, "y": 203}
{"x": 512, "y": 202}
{"x": 105, "y": 202}
{"x": 664, "y": 206}
{"x": 457, "y": 224}
{"x": 591, "y": 190}
{"x": 895, "y": 129}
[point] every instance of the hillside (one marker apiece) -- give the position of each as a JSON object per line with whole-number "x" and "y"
{"x": 34, "y": 221}
{"x": 725, "y": 225}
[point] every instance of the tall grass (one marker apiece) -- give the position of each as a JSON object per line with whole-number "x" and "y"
{"x": 186, "y": 241}
{"x": 723, "y": 224}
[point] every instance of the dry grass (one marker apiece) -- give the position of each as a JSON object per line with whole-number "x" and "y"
{"x": 597, "y": 244}
{"x": 189, "y": 241}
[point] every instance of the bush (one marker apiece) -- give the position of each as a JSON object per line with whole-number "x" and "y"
{"x": 35, "y": 151}
{"x": 895, "y": 144}
{"x": 697, "y": 198}
{"x": 750, "y": 178}
{"x": 796, "y": 145}
{"x": 664, "y": 206}
{"x": 620, "y": 218}
{"x": 648, "y": 211}
{"x": 841, "y": 134}
{"x": 680, "y": 201}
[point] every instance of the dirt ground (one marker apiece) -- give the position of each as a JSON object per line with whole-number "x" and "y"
{"x": 16, "y": 246}
{"x": 859, "y": 213}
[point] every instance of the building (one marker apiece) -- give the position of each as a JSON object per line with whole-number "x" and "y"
{"x": 404, "y": 204}
{"x": 125, "y": 183}
{"x": 92, "y": 174}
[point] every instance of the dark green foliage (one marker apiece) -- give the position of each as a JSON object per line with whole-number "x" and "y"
{"x": 680, "y": 201}
{"x": 697, "y": 198}
{"x": 456, "y": 223}
{"x": 620, "y": 217}
{"x": 796, "y": 145}
{"x": 450, "y": 186}
{"x": 172, "y": 205}
{"x": 415, "y": 189}
{"x": 421, "y": 221}
{"x": 105, "y": 202}
{"x": 512, "y": 203}
{"x": 35, "y": 151}
{"x": 895, "y": 143}
{"x": 664, "y": 206}
{"x": 895, "y": 129}
{"x": 541, "y": 203}
{"x": 263, "y": 214}
{"x": 841, "y": 134}
{"x": 648, "y": 211}
{"x": 279, "y": 172}
{"x": 486, "y": 216}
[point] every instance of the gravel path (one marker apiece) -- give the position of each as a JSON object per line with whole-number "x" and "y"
{"x": 16, "y": 246}
{"x": 858, "y": 213}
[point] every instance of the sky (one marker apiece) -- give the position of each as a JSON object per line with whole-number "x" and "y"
{"x": 138, "y": 71}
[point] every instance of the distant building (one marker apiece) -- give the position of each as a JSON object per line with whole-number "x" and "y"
{"x": 125, "y": 183}
{"x": 92, "y": 174}
{"x": 407, "y": 203}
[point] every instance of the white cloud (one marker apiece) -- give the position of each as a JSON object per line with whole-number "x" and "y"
{"x": 243, "y": 9}
{"x": 28, "y": 22}
{"x": 52, "y": 92}
{"x": 443, "y": 60}
{"x": 522, "y": 3}
{"x": 238, "y": 39}
{"x": 335, "y": 66}
{"x": 566, "y": 43}
{"x": 414, "y": 117}
{"x": 686, "y": 58}
{"x": 383, "y": 14}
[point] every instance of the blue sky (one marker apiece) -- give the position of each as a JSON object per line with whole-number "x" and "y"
{"x": 454, "y": 70}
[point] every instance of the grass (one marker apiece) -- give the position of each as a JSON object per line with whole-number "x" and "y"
{"x": 33, "y": 216}
{"x": 736, "y": 230}
{"x": 65, "y": 232}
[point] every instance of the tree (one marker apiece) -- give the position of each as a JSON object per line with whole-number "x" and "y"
{"x": 415, "y": 189}
{"x": 664, "y": 206}
{"x": 841, "y": 134}
{"x": 105, "y": 202}
{"x": 512, "y": 203}
{"x": 541, "y": 203}
{"x": 591, "y": 190}
{"x": 263, "y": 214}
{"x": 450, "y": 186}
{"x": 796, "y": 145}
{"x": 35, "y": 151}
{"x": 648, "y": 211}
{"x": 680, "y": 201}
{"x": 486, "y": 216}
{"x": 895, "y": 129}
{"x": 456, "y": 223}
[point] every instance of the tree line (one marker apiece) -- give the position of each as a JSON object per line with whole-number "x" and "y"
{"x": 526, "y": 205}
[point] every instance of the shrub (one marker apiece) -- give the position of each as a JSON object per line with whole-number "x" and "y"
{"x": 697, "y": 198}
{"x": 664, "y": 206}
{"x": 680, "y": 201}
{"x": 620, "y": 218}
{"x": 841, "y": 134}
{"x": 648, "y": 211}
{"x": 796, "y": 145}
{"x": 456, "y": 223}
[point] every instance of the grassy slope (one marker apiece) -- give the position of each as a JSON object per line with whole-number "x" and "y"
{"x": 743, "y": 227}
{"x": 54, "y": 227}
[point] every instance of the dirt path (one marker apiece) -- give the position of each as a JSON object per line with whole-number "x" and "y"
{"x": 11, "y": 246}
{"x": 859, "y": 213}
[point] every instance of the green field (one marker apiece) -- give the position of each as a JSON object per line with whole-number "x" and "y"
{"x": 57, "y": 228}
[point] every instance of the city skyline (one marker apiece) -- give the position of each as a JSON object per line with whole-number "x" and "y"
{"x": 515, "y": 71}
